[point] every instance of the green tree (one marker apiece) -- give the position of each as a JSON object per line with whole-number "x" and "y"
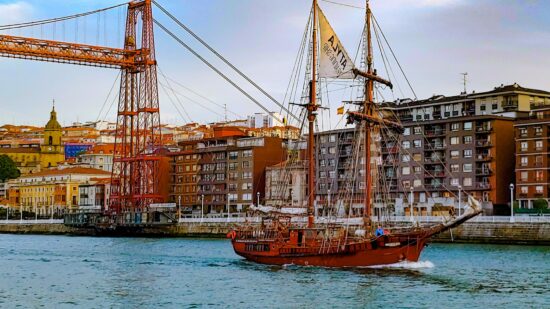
{"x": 540, "y": 204}
{"x": 8, "y": 169}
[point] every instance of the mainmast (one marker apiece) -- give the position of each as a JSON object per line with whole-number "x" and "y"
{"x": 368, "y": 112}
{"x": 311, "y": 113}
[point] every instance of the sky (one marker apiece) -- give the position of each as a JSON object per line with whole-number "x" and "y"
{"x": 495, "y": 41}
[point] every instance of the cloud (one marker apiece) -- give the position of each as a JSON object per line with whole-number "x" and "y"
{"x": 15, "y": 12}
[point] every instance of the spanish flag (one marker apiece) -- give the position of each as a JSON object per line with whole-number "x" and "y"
{"x": 340, "y": 110}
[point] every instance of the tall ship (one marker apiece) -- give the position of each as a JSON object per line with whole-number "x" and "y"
{"x": 343, "y": 237}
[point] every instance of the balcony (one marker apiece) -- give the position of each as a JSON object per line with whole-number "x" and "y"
{"x": 483, "y": 143}
{"x": 434, "y": 146}
{"x": 434, "y": 187}
{"x": 483, "y": 186}
{"x": 484, "y": 157}
{"x": 434, "y": 174}
{"x": 431, "y": 133}
{"x": 484, "y": 171}
{"x": 434, "y": 160}
{"x": 484, "y": 129}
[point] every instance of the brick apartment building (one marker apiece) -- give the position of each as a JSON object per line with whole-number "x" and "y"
{"x": 228, "y": 168}
{"x": 532, "y": 157}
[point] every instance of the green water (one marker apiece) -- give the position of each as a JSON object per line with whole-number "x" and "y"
{"x": 82, "y": 272}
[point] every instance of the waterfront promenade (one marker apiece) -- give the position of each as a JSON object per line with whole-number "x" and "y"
{"x": 530, "y": 230}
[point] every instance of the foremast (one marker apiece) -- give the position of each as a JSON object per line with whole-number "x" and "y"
{"x": 311, "y": 114}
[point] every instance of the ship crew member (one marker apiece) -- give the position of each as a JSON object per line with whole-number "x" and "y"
{"x": 379, "y": 231}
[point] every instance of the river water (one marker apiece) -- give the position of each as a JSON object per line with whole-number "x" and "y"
{"x": 85, "y": 272}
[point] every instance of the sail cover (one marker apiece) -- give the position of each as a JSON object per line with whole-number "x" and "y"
{"x": 334, "y": 61}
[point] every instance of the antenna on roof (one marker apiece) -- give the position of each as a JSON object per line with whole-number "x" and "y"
{"x": 464, "y": 80}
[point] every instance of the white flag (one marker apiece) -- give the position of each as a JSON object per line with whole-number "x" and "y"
{"x": 334, "y": 61}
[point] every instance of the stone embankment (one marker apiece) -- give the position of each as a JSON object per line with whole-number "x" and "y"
{"x": 525, "y": 233}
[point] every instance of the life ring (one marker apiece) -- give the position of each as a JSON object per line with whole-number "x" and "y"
{"x": 232, "y": 235}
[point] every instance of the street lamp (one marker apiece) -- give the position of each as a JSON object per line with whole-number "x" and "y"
{"x": 459, "y": 199}
{"x": 411, "y": 203}
{"x": 228, "y": 210}
{"x": 179, "y": 207}
{"x": 7, "y": 213}
{"x": 202, "y": 206}
{"x": 511, "y": 202}
{"x": 258, "y": 199}
{"x": 328, "y": 204}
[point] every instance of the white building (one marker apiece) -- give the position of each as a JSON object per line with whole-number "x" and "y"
{"x": 262, "y": 120}
{"x": 100, "y": 157}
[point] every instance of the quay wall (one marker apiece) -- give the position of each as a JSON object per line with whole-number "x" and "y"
{"x": 534, "y": 233}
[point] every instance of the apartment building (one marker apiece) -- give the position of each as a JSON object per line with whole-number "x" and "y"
{"x": 532, "y": 157}
{"x": 232, "y": 169}
{"x": 440, "y": 157}
{"x": 184, "y": 171}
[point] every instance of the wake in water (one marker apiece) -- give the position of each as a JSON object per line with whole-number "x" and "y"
{"x": 406, "y": 265}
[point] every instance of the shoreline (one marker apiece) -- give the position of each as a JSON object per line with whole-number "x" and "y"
{"x": 537, "y": 234}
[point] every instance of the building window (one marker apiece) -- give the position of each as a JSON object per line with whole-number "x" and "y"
{"x": 495, "y": 106}
{"x": 247, "y": 186}
{"x": 322, "y": 163}
{"x": 323, "y": 150}
{"x": 417, "y": 170}
{"x": 406, "y": 184}
{"x": 332, "y": 150}
{"x": 523, "y": 176}
{"x": 482, "y": 107}
{"x": 467, "y": 182}
{"x": 417, "y": 157}
{"x": 246, "y": 164}
{"x": 331, "y": 162}
{"x": 323, "y": 139}
{"x": 467, "y": 167}
{"x": 538, "y": 145}
{"x": 417, "y": 183}
{"x": 406, "y": 158}
{"x": 468, "y": 126}
{"x": 417, "y": 130}
{"x": 455, "y": 154}
{"x": 233, "y": 155}
{"x": 524, "y": 146}
{"x": 417, "y": 143}
{"x": 467, "y": 153}
{"x": 524, "y": 161}
{"x": 322, "y": 174}
{"x": 524, "y": 189}
{"x": 538, "y": 160}
{"x": 332, "y": 174}
{"x": 539, "y": 175}
{"x": 406, "y": 131}
{"x": 247, "y": 197}
{"x": 406, "y": 170}
{"x": 455, "y": 182}
{"x": 538, "y": 131}
{"x": 455, "y": 140}
{"x": 467, "y": 139}
{"x": 406, "y": 144}
{"x": 523, "y": 131}
{"x": 247, "y": 175}
{"x": 455, "y": 126}
{"x": 539, "y": 189}
{"x": 247, "y": 153}
{"x": 455, "y": 168}
{"x": 332, "y": 138}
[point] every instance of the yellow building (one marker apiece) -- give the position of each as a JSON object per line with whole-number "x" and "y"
{"x": 30, "y": 158}
{"x": 54, "y": 190}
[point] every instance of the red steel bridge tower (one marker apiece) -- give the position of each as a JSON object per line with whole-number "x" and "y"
{"x": 134, "y": 180}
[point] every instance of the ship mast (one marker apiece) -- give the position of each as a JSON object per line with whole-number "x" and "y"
{"x": 369, "y": 83}
{"x": 311, "y": 113}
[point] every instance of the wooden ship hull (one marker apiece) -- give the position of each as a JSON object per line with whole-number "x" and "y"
{"x": 285, "y": 247}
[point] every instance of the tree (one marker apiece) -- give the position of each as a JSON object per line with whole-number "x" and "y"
{"x": 8, "y": 169}
{"x": 540, "y": 204}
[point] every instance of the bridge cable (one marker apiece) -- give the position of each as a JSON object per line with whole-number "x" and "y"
{"x": 218, "y": 71}
{"x": 223, "y": 59}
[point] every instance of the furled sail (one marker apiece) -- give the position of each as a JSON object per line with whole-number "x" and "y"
{"x": 334, "y": 61}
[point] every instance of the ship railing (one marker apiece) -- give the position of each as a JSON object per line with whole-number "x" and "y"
{"x": 32, "y": 221}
